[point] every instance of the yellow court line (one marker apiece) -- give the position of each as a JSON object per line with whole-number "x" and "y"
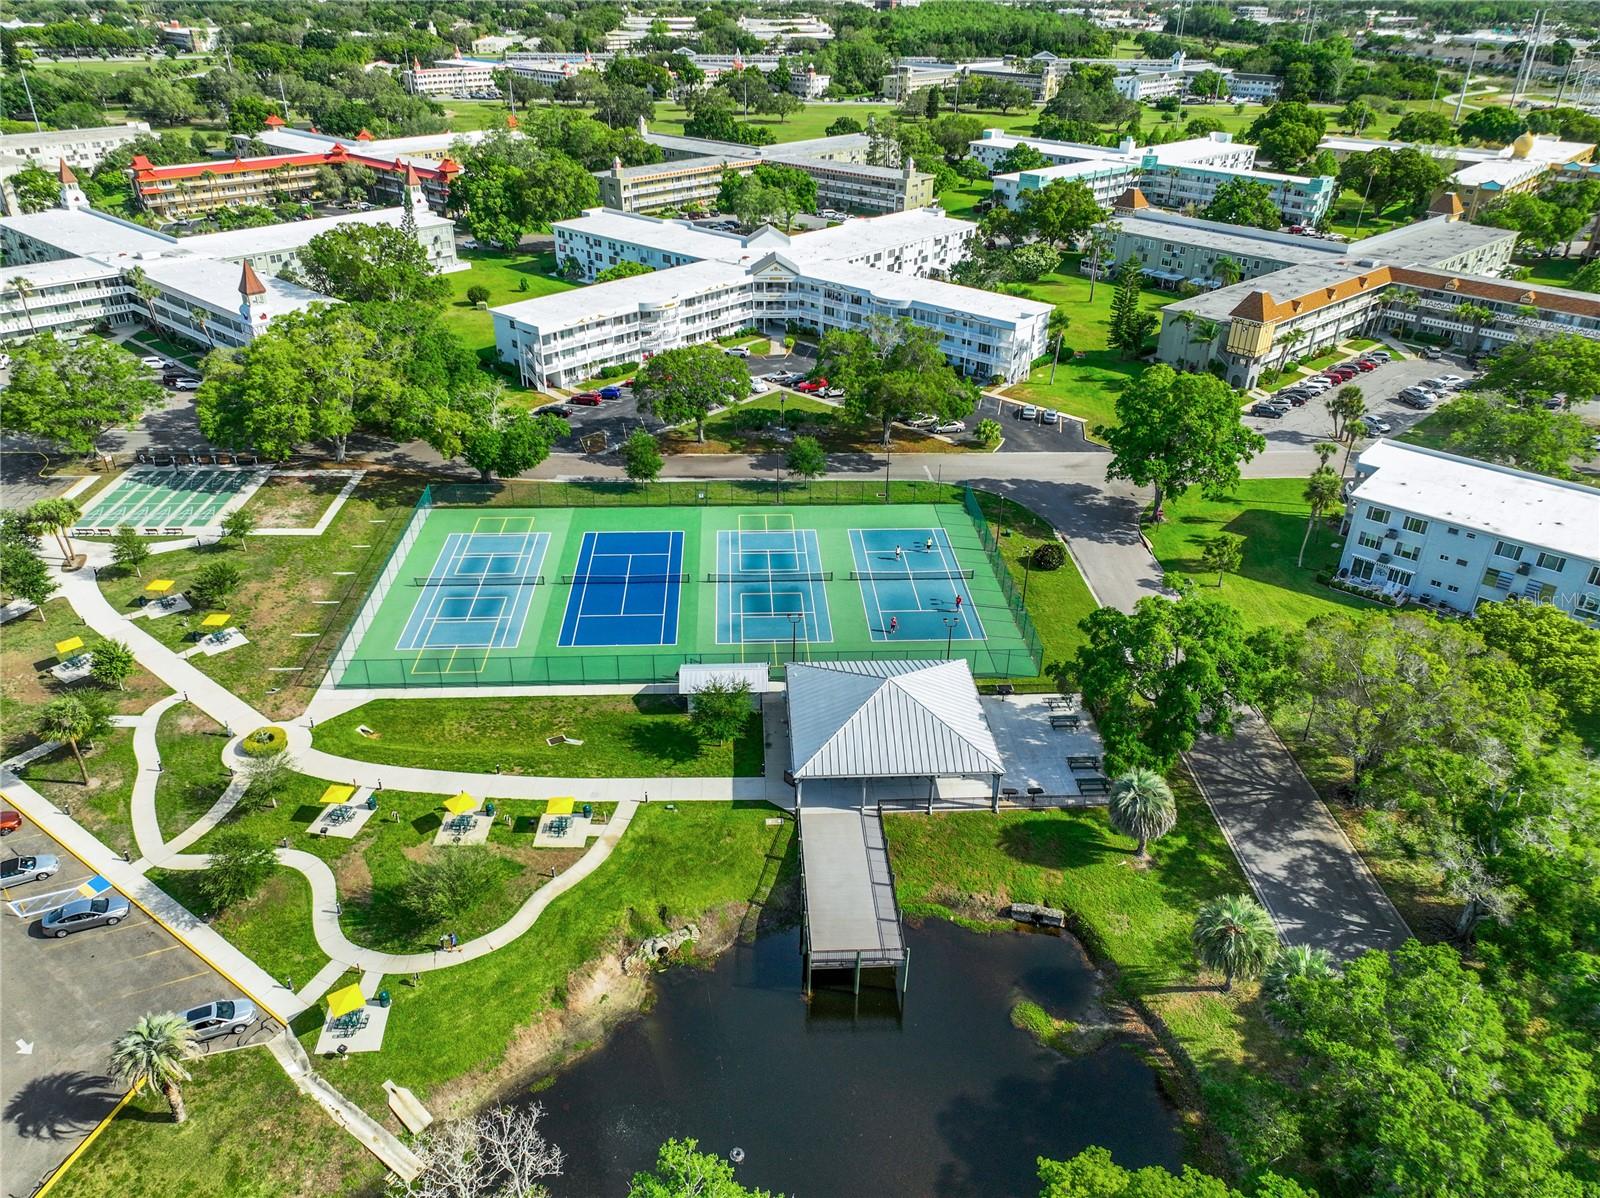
{"x": 83, "y": 1146}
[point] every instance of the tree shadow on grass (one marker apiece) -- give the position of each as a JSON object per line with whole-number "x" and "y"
{"x": 1053, "y": 842}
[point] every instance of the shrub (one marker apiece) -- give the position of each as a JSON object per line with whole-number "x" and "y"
{"x": 240, "y": 865}
{"x": 267, "y": 741}
{"x": 448, "y": 883}
{"x": 216, "y": 581}
{"x": 477, "y": 294}
{"x": 617, "y": 370}
{"x": 1048, "y": 556}
{"x": 988, "y": 432}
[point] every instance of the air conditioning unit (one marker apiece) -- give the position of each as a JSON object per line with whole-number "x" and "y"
{"x": 1525, "y": 568}
{"x": 1383, "y": 559}
{"x": 1391, "y": 533}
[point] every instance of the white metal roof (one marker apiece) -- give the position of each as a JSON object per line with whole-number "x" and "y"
{"x": 878, "y": 719}
{"x": 291, "y": 235}
{"x": 1530, "y": 508}
{"x": 692, "y": 679}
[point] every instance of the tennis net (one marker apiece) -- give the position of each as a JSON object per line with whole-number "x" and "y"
{"x": 772, "y": 576}
{"x": 621, "y": 579}
{"x": 910, "y": 575}
{"x": 474, "y": 580}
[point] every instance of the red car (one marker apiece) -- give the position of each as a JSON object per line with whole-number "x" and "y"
{"x": 1364, "y": 366}
{"x": 589, "y": 399}
{"x": 10, "y": 821}
{"x": 812, "y": 386}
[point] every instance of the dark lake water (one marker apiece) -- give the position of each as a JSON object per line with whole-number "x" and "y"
{"x": 940, "y": 1097}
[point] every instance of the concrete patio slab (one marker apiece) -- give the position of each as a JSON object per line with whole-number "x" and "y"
{"x": 477, "y": 834}
{"x": 323, "y": 825}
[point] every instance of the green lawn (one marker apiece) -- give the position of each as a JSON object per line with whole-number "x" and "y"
{"x": 1552, "y": 272}
{"x": 1089, "y": 376}
{"x": 624, "y": 736}
{"x": 961, "y": 202}
{"x": 284, "y": 580}
{"x": 753, "y": 427}
{"x": 273, "y": 929}
{"x": 510, "y": 277}
{"x": 1271, "y": 515}
{"x": 145, "y": 342}
{"x": 192, "y": 778}
{"x": 103, "y": 806}
{"x": 814, "y": 119}
{"x": 970, "y": 865}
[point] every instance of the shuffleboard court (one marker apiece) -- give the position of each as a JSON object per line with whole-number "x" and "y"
{"x": 770, "y": 583}
{"x": 160, "y": 499}
{"x": 913, "y": 585}
{"x": 625, "y": 590}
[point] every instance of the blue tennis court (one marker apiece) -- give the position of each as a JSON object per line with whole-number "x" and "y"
{"x": 625, "y": 590}
{"x": 911, "y": 581}
{"x": 770, "y": 584}
{"x": 478, "y": 592}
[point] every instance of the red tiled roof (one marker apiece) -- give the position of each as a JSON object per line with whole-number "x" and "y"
{"x": 274, "y": 121}
{"x": 145, "y": 172}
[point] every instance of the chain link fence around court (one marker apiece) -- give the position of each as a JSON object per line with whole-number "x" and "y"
{"x": 497, "y": 669}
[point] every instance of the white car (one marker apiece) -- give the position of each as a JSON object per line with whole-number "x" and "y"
{"x": 832, "y": 393}
{"x": 1450, "y": 380}
{"x": 153, "y": 362}
{"x": 1029, "y": 412}
{"x": 737, "y": 351}
{"x": 1048, "y": 415}
{"x": 757, "y": 387}
{"x": 921, "y": 422}
{"x": 1376, "y": 424}
{"x": 5, "y": 361}
{"x": 186, "y": 385}
{"x": 950, "y": 427}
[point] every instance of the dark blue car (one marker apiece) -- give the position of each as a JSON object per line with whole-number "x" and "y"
{"x": 612, "y": 392}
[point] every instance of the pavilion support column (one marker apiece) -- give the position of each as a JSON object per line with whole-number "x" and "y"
{"x": 932, "y": 782}
{"x": 994, "y": 793}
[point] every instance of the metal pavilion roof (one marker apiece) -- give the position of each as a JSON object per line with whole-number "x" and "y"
{"x": 877, "y": 719}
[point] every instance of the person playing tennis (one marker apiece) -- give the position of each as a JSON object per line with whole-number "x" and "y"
{"x": 894, "y": 624}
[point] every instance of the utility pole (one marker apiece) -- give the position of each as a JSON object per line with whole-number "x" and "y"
{"x": 1565, "y": 75}
{"x": 283, "y": 99}
{"x": 34, "y": 111}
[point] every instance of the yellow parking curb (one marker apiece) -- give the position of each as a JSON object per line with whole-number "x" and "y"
{"x": 83, "y": 1146}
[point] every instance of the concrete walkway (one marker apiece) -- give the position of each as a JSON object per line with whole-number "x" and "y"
{"x": 291, "y": 1055}
{"x": 1298, "y": 860}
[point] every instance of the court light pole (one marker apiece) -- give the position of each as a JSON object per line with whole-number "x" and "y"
{"x": 950, "y": 623}
{"x": 794, "y": 633}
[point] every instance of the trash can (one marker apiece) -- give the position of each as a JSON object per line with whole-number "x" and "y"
{"x": 488, "y": 809}
{"x": 588, "y": 810}
{"x": 372, "y": 802}
{"x": 383, "y": 998}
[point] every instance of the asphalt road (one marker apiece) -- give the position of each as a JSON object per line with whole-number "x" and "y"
{"x": 63, "y": 1002}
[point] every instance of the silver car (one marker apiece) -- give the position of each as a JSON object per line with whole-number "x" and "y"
{"x": 76, "y": 916}
{"x": 27, "y": 869}
{"x": 226, "y": 1017}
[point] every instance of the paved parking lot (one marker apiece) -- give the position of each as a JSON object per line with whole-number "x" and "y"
{"x": 1304, "y": 426}
{"x": 62, "y": 1002}
{"x": 1032, "y": 436}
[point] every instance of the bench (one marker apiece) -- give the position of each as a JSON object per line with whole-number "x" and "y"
{"x": 1083, "y": 761}
{"x": 1057, "y": 703}
{"x": 1093, "y": 785}
{"x": 1069, "y": 722}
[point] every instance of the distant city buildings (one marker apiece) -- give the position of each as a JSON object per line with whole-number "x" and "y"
{"x": 1455, "y": 531}
{"x": 82, "y": 149}
{"x": 456, "y": 76}
{"x": 188, "y": 38}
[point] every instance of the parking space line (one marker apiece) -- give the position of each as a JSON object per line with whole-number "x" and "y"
{"x": 199, "y": 973}
{"x": 154, "y": 952}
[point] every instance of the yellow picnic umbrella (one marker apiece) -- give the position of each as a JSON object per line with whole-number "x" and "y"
{"x": 342, "y": 1002}
{"x": 159, "y": 585}
{"x": 71, "y": 645}
{"x": 461, "y": 804}
{"x": 217, "y": 619}
{"x": 338, "y": 792}
{"x": 559, "y": 807}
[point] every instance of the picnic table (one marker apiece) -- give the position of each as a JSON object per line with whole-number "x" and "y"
{"x": 1083, "y": 761}
{"x": 349, "y": 1025}
{"x": 342, "y": 814}
{"x": 461, "y": 823}
{"x": 1057, "y": 703}
{"x": 1069, "y": 722}
{"x": 1094, "y": 784}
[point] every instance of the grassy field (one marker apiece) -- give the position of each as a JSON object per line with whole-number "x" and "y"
{"x": 509, "y": 277}
{"x": 1271, "y": 515}
{"x": 250, "y": 1134}
{"x": 1090, "y": 376}
{"x": 192, "y": 778}
{"x": 285, "y": 581}
{"x": 103, "y": 806}
{"x": 1552, "y": 272}
{"x": 753, "y": 427}
{"x": 624, "y": 736}
{"x": 970, "y": 865}
{"x": 962, "y": 202}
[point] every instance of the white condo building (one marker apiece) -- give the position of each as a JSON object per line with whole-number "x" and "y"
{"x": 706, "y": 285}
{"x": 72, "y": 268}
{"x": 1461, "y": 532}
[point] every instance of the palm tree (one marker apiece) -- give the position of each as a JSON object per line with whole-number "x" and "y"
{"x": 1142, "y": 807}
{"x": 1477, "y": 315}
{"x": 73, "y": 720}
{"x": 146, "y": 291}
{"x": 200, "y": 317}
{"x": 1227, "y": 271}
{"x": 1346, "y": 406}
{"x": 57, "y": 516}
{"x": 1322, "y": 492}
{"x": 1059, "y": 323}
{"x": 23, "y": 286}
{"x": 1204, "y": 332}
{"x": 152, "y": 1053}
{"x": 1324, "y": 450}
{"x": 1298, "y": 961}
{"x": 1099, "y": 246}
{"x": 1235, "y": 935}
{"x": 1289, "y": 340}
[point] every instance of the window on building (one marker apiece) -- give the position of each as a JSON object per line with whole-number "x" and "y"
{"x": 1400, "y": 577}
{"x": 1409, "y": 552}
{"x": 1367, "y": 541}
{"x": 1453, "y": 589}
{"x": 1414, "y": 524}
{"x": 1508, "y": 550}
{"x": 1378, "y": 515}
{"x": 1588, "y": 605}
{"x": 1552, "y": 561}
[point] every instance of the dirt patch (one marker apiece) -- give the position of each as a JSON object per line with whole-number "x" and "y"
{"x": 190, "y": 721}
{"x": 294, "y": 502}
{"x": 352, "y": 878}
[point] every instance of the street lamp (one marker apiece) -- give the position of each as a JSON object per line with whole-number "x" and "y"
{"x": 888, "y": 459}
{"x": 950, "y": 623}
